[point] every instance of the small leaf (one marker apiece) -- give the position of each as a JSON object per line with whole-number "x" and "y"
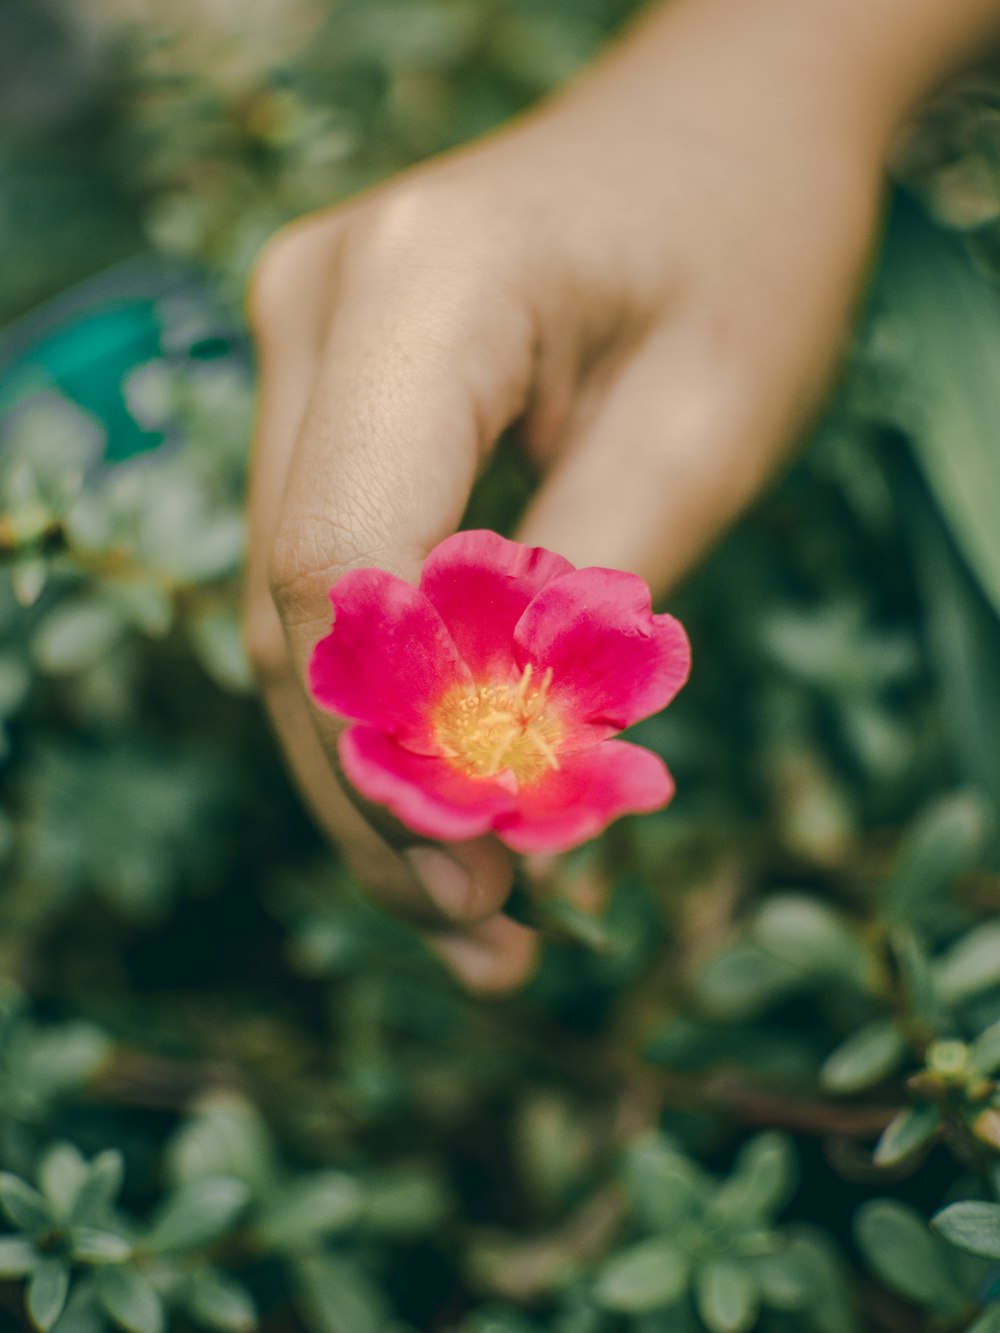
{"x": 76, "y": 635}
{"x": 906, "y": 1133}
{"x": 916, "y": 975}
{"x": 988, "y": 1321}
{"x": 971, "y": 965}
{"x": 663, "y": 1185}
{"x": 867, "y": 1056}
{"x": 99, "y": 1191}
{"x": 944, "y": 315}
{"x": 15, "y": 681}
{"x": 984, "y": 1053}
{"x": 99, "y": 1247}
{"x": 199, "y": 1211}
{"x": 17, "y": 1256}
{"x": 28, "y": 577}
{"x": 317, "y": 1205}
{"x": 130, "y": 1299}
{"x": 61, "y": 1175}
{"x": 744, "y": 980}
{"x": 47, "y": 1292}
{"x": 945, "y": 840}
{"x": 25, "y": 1207}
{"x": 226, "y": 1137}
{"x": 906, "y": 1255}
{"x": 784, "y": 1279}
{"x": 646, "y": 1276}
{"x": 811, "y": 937}
{"x": 727, "y": 1296}
{"x": 220, "y": 1302}
{"x": 820, "y": 1277}
{"x": 986, "y": 1127}
{"x": 762, "y": 1181}
{"x": 404, "y": 1201}
{"x": 971, "y": 1226}
{"x": 337, "y": 1297}
{"x": 218, "y": 644}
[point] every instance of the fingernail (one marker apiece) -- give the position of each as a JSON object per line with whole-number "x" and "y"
{"x": 447, "y": 884}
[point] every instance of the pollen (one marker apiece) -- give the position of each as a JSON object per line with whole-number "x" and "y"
{"x": 491, "y": 729}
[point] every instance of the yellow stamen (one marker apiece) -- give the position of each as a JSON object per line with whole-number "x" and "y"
{"x": 490, "y": 729}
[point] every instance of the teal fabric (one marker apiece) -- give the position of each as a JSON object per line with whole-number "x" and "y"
{"x": 86, "y": 345}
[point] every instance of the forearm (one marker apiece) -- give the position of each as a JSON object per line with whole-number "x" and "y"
{"x": 855, "y": 68}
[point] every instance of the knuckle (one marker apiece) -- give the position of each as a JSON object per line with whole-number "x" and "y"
{"x": 297, "y": 574}
{"x": 277, "y": 271}
{"x": 421, "y": 231}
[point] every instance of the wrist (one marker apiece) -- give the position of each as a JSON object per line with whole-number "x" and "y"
{"x": 857, "y": 68}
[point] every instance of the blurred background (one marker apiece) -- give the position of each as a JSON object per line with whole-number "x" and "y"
{"x": 753, "y": 1085}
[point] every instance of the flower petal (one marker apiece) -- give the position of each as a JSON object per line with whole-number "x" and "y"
{"x": 388, "y": 657}
{"x": 580, "y": 798}
{"x": 613, "y": 662}
{"x": 426, "y": 793}
{"x": 480, "y": 584}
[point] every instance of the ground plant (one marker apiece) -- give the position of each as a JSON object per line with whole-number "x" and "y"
{"x": 755, "y": 1084}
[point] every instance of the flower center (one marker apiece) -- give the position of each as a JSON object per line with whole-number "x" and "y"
{"x": 486, "y": 730}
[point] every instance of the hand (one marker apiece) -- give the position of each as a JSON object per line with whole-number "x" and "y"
{"x": 651, "y": 276}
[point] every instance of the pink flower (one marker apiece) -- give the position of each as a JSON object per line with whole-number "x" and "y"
{"x": 484, "y": 699}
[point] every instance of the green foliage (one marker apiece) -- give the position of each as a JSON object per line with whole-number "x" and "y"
{"x": 233, "y": 1094}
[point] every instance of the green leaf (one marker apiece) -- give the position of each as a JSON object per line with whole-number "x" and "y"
{"x": 220, "y": 1302}
{"x": 944, "y": 315}
{"x": 988, "y": 1321}
{"x": 947, "y": 839}
{"x": 811, "y": 937}
{"x": 744, "y": 980}
{"x": 963, "y": 638}
{"x": 916, "y": 975}
{"x": 984, "y": 1053}
{"x": 336, "y": 1297}
{"x": 15, "y": 681}
{"x": 813, "y": 1266}
{"x": 61, "y": 1175}
{"x": 646, "y": 1276}
{"x": 218, "y": 644}
{"x": 100, "y": 1189}
{"x": 663, "y": 1185}
{"x": 99, "y": 1247}
{"x": 25, "y": 1207}
{"x": 28, "y": 577}
{"x": 76, "y": 635}
{"x": 130, "y": 1299}
{"x": 404, "y": 1201}
{"x": 226, "y": 1137}
{"x": 762, "y": 1182}
{"x": 906, "y": 1255}
{"x": 785, "y": 1281}
{"x": 317, "y": 1205}
{"x": 867, "y": 1056}
{"x": 971, "y": 1226}
{"x": 971, "y": 965}
{"x": 17, "y": 1256}
{"x": 199, "y": 1211}
{"x": 47, "y": 1292}
{"x": 727, "y": 1296}
{"x": 906, "y": 1133}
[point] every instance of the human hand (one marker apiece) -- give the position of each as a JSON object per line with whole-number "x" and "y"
{"x": 650, "y": 276}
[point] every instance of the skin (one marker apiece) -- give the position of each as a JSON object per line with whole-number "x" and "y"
{"x": 650, "y": 275}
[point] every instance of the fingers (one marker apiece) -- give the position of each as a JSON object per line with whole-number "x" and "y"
{"x": 377, "y": 403}
{"x": 676, "y": 447}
